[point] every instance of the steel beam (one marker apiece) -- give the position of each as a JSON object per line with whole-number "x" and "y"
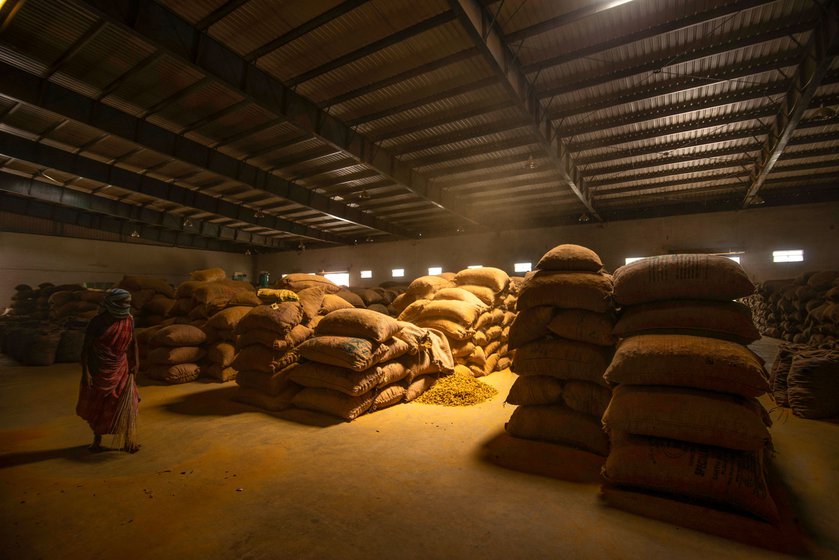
{"x": 437, "y": 119}
{"x": 672, "y": 172}
{"x": 492, "y": 46}
{"x": 219, "y": 14}
{"x": 483, "y": 149}
{"x": 75, "y": 164}
{"x": 671, "y": 160}
{"x": 21, "y": 86}
{"x": 165, "y": 30}
{"x": 604, "y": 190}
{"x": 819, "y": 53}
{"x": 458, "y": 136}
{"x": 74, "y": 49}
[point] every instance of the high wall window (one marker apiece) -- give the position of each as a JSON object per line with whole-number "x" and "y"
{"x": 475, "y": 266}
{"x": 398, "y": 272}
{"x": 435, "y": 270}
{"x": 795, "y": 255}
{"x": 522, "y": 267}
{"x": 633, "y": 259}
{"x": 340, "y": 278}
{"x": 366, "y": 273}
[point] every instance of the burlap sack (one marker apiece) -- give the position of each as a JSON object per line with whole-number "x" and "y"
{"x": 299, "y": 281}
{"x": 352, "y": 353}
{"x": 571, "y": 258}
{"x": 208, "y": 275}
{"x": 535, "y": 389}
{"x": 354, "y": 299}
{"x": 462, "y": 349}
{"x": 274, "y": 403}
{"x": 477, "y": 357}
{"x": 486, "y": 295}
{"x": 179, "y": 373}
{"x": 458, "y": 294}
{"x": 583, "y": 325}
{"x": 393, "y": 371}
{"x": 259, "y": 358}
{"x": 361, "y": 323}
{"x": 435, "y": 356}
{"x": 271, "y": 295}
{"x": 137, "y": 283}
{"x": 267, "y": 383}
{"x": 248, "y": 299}
{"x": 413, "y": 335}
{"x": 780, "y": 373}
{"x": 228, "y": 319}
{"x": 503, "y": 362}
{"x": 277, "y": 317}
{"x": 689, "y": 415}
{"x": 688, "y": 361}
{"x": 585, "y": 397}
{"x": 452, "y": 330}
{"x": 159, "y": 305}
{"x": 396, "y": 348}
{"x": 334, "y": 403}
{"x": 389, "y": 396}
{"x": 419, "y": 385}
{"x": 426, "y": 286}
{"x": 314, "y": 374}
{"x": 674, "y": 277}
{"x": 813, "y": 383}
{"x": 220, "y": 373}
{"x": 456, "y": 311}
{"x": 413, "y": 311}
{"x": 727, "y": 320}
{"x": 332, "y": 302}
{"x": 186, "y": 289}
{"x": 311, "y": 301}
{"x": 175, "y": 355}
{"x": 265, "y": 337}
{"x": 707, "y": 473}
{"x": 221, "y": 353}
{"x": 567, "y": 290}
{"x": 557, "y": 424}
{"x": 492, "y": 278}
{"x": 562, "y": 358}
{"x": 530, "y": 324}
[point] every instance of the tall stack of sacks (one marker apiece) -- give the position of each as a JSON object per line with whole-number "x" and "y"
{"x": 221, "y": 343}
{"x": 684, "y": 417}
{"x": 174, "y": 354}
{"x": 24, "y": 301}
{"x": 421, "y": 289}
{"x": 806, "y": 379}
{"x": 361, "y": 360}
{"x": 151, "y": 299}
{"x": 563, "y": 344}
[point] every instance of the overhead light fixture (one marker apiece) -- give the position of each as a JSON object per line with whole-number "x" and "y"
{"x": 135, "y": 234}
{"x": 258, "y": 214}
{"x": 248, "y": 251}
{"x": 187, "y": 222}
{"x": 419, "y": 235}
{"x": 301, "y": 247}
{"x": 530, "y": 163}
{"x": 757, "y": 200}
{"x": 369, "y": 239}
{"x": 825, "y": 112}
{"x": 460, "y": 229}
{"x": 584, "y": 217}
{"x": 364, "y": 195}
{"x": 355, "y": 241}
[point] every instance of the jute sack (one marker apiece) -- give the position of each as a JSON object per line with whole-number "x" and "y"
{"x": 700, "y": 472}
{"x": 396, "y": 370}
{"x": 361, "y": 323}
{"x": 221, "y": 353}
{"x": 297, "y": 335}
{"x": 348, "y": 352}
{"x": 486, "y": 295}
{"x": 451, "y": 329}
{"x": 562, "y": 358}
{"x": 413, "y": 335}
{"x": 413, "y": 311}
{"x": 492, "y": 347}
{"x": 822, "y": 280}
{"x": 458, "y": 294}
{"x": 535, "y": 389}
{"x": 570, "y": 257}
{"x": 181, "y": 308}
{"x": 311, "y": 301}
{"x": 208, "y": 275}
{"x": 334, "y": 403}
{"x": 173, "y": 374}
{"x": 227, "y": 319}
{"x": 379, "y": 308}
{"x": 396, "y": 348}
{"x": 587, "y": 398}
{"x": 672, "y": 277}
{"x": 277, "y": 317}
{"x": 688, "y": 361}
{"x": 267, "y": 383}
{"x": 780, "y": 373}
{"x": 568, "y": 290}
{"x": 280, "y": 401}
{"x": 503, "y": 362}
{"x": 175, "y": 355}
{"x": 178, "y": 335}
{"x": 813, "y": 383}
{"x": 477, "y": 357}
{"x": 332, "y": 302}
{"x": 419, "y": 386}
{"x": 355, "y": 299}
{"x": 557, "y": 424}
{"x": 490, "y": 277}
{"x": 299, "y": 281}
{"x": 137, "y": 283}
{"x": 264, "y": 337}
{"x": 491, "y": 363}
{"x": 248, "y": 299}
{"x": 426, "y": 286}
{"x": 530, "y": 324}
{"x": 583, "y": 325}
{"x": 353, "y": 383}
{"x": 259, "y": 358}
{"x": 689, "y": 415}
{"x": 727, "y": 320}
{"x": 186, "y": 289}
{"x": 461, "y": 312}
{"x": 159, "y": 305}
{"x": 270, "y": 295}
{"x": 435, "y": 356}
{"x": 480, "y": 338}
{"x": 462, "y": 348}
{"x": 220, "y": 373}
{"x": 493, "y": 333}
{"x": 389, "y": 396}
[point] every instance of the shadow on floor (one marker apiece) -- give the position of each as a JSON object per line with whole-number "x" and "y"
{"x": 79, "y": 454}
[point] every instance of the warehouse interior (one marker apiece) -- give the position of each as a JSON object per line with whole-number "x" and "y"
{"x": 377, "y": 144}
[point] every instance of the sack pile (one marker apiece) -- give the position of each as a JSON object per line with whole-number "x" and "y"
{"x": 151, "y": 299}
{"x": 75, "y": 303}
{"x": 173, "y": 354}
{"x": 804, "y": 310}
{"x": 806, "y": 379}
{"x": 208, "y": 292}
{"x": 563, "y": 341}
{"x": 376, "y": 298}
{"x": 684, "y": 419}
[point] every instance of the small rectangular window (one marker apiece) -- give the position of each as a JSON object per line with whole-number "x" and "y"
{"x": 735, "y": 259}
{"x": 339, "y": 278}
{"x": 522, "y": 267}
{"x": 398, "y": 272}
{"x": 435, "y": 270}
{"x": 633, "y": 259}
{"x": 796, "y": 255}
{"x": 475, "y": 266}
{"x": 366, "y": 273}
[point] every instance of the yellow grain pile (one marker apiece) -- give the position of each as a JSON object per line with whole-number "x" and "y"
{"x": 458, "y": 389}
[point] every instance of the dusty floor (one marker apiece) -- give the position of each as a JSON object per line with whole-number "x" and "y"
{"x": 217, "y": 479}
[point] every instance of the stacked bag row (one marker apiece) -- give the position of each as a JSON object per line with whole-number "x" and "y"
{"x": 376, "y": 299}
{"x": 562, "y": 336}
{"x": 151, "y": 299}
{"x": 806, "y": 380}
{"x": 684, "y": 419}
{"x": 172, "y": 353}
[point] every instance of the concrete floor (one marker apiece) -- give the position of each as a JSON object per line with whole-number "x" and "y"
{"x": 217, "y": 479}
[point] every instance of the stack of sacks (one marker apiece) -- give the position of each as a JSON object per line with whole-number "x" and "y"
{"x": 25, "y": 301}
{"x": 174, "y": 353}
{"x": 299, "y": 281}
{"x": 72, "y": 310}
{"x": 361, "y": 361}
{"x": 267, "y": 337}
{"x": 806, "y": 379}
{"x": 151, "y": 299}
{"x": 421, "y": 289}
{"x": 563, "y": 340}
{"x": 488, "y": 344}
{"x": 221, "y": 342}
{"x": 378, "y": 299}
{"x": 684, "y": 417}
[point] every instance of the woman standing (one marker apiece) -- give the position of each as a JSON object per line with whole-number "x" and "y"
{"x": 108, "y": 396}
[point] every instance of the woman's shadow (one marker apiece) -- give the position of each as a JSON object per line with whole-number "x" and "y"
{"x": 78, "y": 453}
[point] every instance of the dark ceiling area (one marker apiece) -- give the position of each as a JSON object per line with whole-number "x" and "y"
{"x": 263, "y": 125}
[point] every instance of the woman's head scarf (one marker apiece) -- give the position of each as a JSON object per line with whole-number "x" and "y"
{"x": 117, "y": 302}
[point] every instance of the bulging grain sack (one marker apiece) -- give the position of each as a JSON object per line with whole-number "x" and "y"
{"x": 393, "y": 371}
{"x": 530, "y": 324}
{"x": 413, "y": 311}
{"x": 728, "y": 320}
{"x": 332, "y": 302}
{"x": 178, "y": 335}
{"x": 813, "y": 383}
{"x": 314, "y": 374}
{"x": 354, "y": 299}
{"x": 395, "y": 348}
{"x": 425, "y": 286}
{"x": 228, "y": 319}
{"x": 299, "y": 281}
{"x": 570, "y": 257}
{"x": 680, "y": 469}
{"x": 568, "y": 290}
{"x": 452, "y": 329}
{"x": 584, "y": 326}
{"x": 672, "y": 277}
{"x": 585, "y": 397}
{"x": 458, "y": 294}
{"x": 688, "y": 361}
{"x": 259, "y": 358}
{"x": 486, "y": 295}
{"x": 175, "y": 355}
{"x": 419, "y": 385}
{"x": 435, "y": 355}
{"x": 275, "y": 403}
{"x": 558, "y": 424}
{"x": 334, "y": 403}
{"x": 562, "y": 358}
{"x": 535, "y": 389}
{"x": 221, "y": 353}
{"x": 248, "y": 299}
{"x": 490, "y": 277}
{"x": 411, "y": 334}
{"x": 220, "y": 373}
{"x": 208, "y": 275}
{"x": 311, "y": 301}
{"x": 137, "y": 283}
{"x": 352, "y": 353}
{"x": 277, "y": 317}
{"x": 264, "y": 337}
{"x": 271, "y": 295}
{"x": 356, "y": 322}
{"x": 691, "y": 415}
{"x": 174, "y": 374}
{"x": 389, "y": 396}
{"x": 461, "y": 312}
{"x": 268, "y": 383}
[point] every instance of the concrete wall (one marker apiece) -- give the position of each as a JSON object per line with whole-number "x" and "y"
{"x": 32, "y": 259}
{"x": 757, "y": 232}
